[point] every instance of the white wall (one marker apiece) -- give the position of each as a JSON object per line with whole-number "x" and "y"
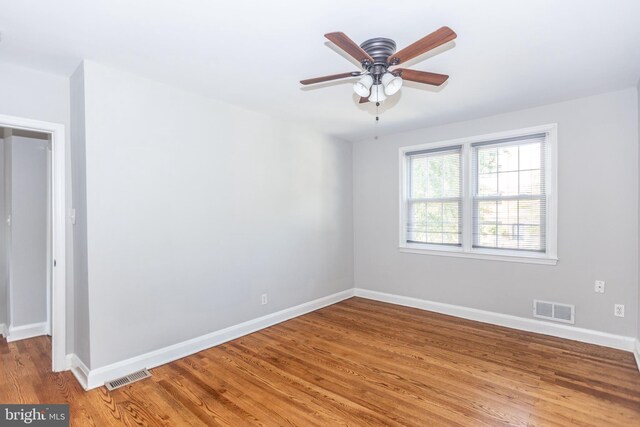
{"x": 195, "y": 208}
{"x": 598, "y": 219}
{"x": 28, "y": 254}
{"x": 33, "y": 94}
{"x": 42, "y": 96}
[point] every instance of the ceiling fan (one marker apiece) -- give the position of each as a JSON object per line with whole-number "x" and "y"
{"x": 377, "y": 56}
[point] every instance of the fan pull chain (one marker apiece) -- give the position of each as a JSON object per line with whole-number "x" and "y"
{"x": 375, "y": 136}
{"x": 375, "y": 132}
{"x": 377, "y": 103}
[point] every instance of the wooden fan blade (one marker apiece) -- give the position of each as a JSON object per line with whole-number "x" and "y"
{"x": 421, "y": 76}
{"x": 328, "y": 78}
{"x": 425, "y": 44}
{"x": 363, "y": 100}
{"x": 349, "y": 46}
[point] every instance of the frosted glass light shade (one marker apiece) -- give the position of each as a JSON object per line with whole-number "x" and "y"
{"x": 362, "y": 86}
{"x": 377, "y": 94}
{"x": 392, "y": 84}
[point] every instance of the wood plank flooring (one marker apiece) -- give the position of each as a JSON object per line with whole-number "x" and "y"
{"x": 358, "y": 362}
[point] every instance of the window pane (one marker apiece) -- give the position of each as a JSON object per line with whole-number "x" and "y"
{"x": 530, "y": 212}
{"x": 530, "y": 156}
{"x": 451, "y": 175}
{"x": 508, "y": 236}
{"x": 530, "y": 238}
{"x": 434, "y": 238}
{"x": 488, "y": 184}
{"x": 435, "y": 179}
{"x": 487, "y": 236}
{"x": 508, "y": 183}
{"x": 418, "y": 177}
{"x": 488, "y": 160}
{"x": 450, "y": 217}
{"x": 487, "y": 212}
{"x": 530, "y": 182}
{"x": 451, "y": 238}
{"x": 508, "y": 212}
{"x": 508, "y": 158}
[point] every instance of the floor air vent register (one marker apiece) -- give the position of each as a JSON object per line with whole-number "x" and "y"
{"x": 126, "y": 380}
{"x": 555, "y": 311}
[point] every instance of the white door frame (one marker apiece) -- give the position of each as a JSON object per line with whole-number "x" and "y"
{"x": 58, "y": 231}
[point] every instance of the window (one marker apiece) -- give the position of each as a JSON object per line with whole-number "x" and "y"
{"x": 487, "y": 197}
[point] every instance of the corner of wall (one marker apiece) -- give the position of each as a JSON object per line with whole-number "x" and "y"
{"x": 81, "y": 321}
{"x": 3, "y": 251}
{"x": 638, "y": 212}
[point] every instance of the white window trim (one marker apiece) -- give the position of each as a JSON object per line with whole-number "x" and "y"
{"x": 549, "y": 257}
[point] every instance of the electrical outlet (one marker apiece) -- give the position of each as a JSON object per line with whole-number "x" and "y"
{"x": 599, "y": 288}
{"x": 618, "y": 310}
{"x": 264, "y": 299}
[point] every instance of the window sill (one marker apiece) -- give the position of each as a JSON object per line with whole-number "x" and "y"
{"x": 478, "y": 254}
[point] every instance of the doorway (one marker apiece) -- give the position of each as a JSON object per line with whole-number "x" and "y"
{"x": 50, "y": 139}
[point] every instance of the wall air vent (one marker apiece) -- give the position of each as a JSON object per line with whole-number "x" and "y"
{"x": 555, "y": 311}
{"x": 126, "y": 380}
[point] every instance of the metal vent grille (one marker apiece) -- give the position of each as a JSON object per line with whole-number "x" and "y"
{"x": 131, "y": 378}
{"x": 554, "y": 311}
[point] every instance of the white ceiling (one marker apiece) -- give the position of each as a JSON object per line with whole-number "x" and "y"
{"x": 508, "y": 54}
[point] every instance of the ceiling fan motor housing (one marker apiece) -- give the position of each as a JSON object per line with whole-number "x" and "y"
{"x": 380, "y": 49}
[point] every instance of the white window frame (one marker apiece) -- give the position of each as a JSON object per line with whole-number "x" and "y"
{"x": 548, "y": 257}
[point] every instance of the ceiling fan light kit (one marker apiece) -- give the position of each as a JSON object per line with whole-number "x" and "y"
{"x": 376, "y": 56}
{"x": 363, "y": 86}
{"x": 377, "y": 94}
{"x": 392, "y": 83}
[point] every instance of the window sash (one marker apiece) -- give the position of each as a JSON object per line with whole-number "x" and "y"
{"x": 540, "y": 196}
{"x": 442, "y": 227}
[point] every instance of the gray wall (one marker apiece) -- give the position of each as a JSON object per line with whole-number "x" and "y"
{"x": 195, "y": 208}
{"x": 597, "y": 210}
{"x": 7, "y": 157}
{"x": 42, "y": 96}
{"x": 28, "y": 254}
{"x": 638, "y": 124}
{"x": 78, "y": 167}
{"x": 3, "y": 244}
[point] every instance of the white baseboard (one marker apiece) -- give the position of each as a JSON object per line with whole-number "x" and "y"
{"x": 15, "y": 333}
{"x": 3, "y": 329}
{"x": 531, "y": 325}
{"x": 636, "y": 352}
{"x": 79, "y": 369}
{"x": 92, "y": 378}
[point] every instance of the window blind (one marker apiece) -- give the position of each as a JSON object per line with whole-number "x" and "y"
{"x": 434, "y": 196}
{"x": 509, "y": 196}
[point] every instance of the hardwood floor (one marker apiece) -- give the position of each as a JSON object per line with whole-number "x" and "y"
{"x": 358, "y": 362}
